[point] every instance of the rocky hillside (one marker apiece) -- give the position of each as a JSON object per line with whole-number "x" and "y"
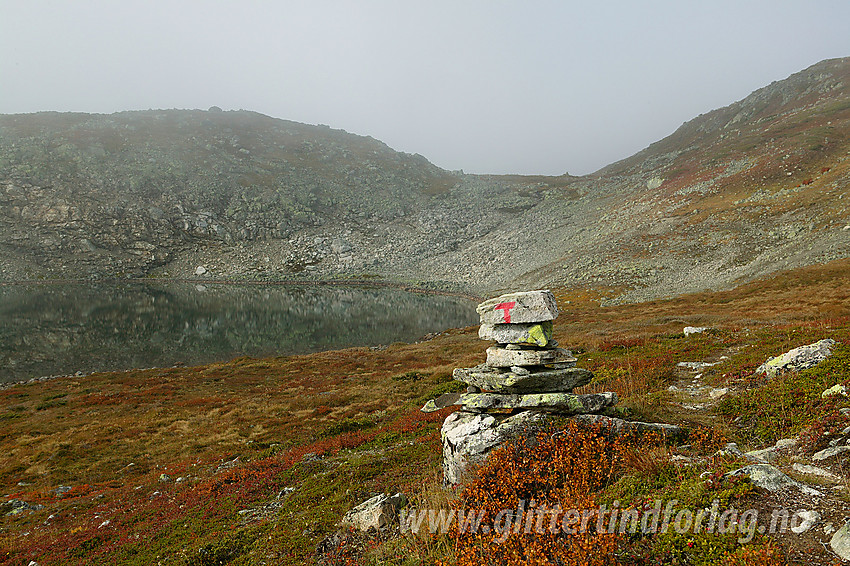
{"x": 750, "y": 189}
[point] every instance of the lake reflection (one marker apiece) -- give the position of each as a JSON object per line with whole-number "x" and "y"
{"x": 51, "y": 329}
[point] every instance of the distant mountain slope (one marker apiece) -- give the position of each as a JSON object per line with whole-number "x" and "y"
{"x": 756, "y": 187}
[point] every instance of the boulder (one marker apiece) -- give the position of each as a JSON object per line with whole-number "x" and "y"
{"x": 694, "y": 330}
{"x": 563, "y": 403}
{"x": 469, "y": 437}
{"x": 536, "y": 333}
{"x": 544, "y": 381}
{"x": 501, "y": 357}
{"x": 798, "y": 359}
{"x": 529, "y": 306}
{"x": 375, "y": 513}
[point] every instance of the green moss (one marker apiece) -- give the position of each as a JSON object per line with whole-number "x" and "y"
{"x": 348, "y": 425}
{"x": 786, "y": 404}
{"x": 230, "y": 547}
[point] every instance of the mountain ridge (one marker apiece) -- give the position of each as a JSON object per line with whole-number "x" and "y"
{"x": 732, "y": 195}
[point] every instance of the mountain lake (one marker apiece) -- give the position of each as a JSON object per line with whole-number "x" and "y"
{"x": 63, "y": 328}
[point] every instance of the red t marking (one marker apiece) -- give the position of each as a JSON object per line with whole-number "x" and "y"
{"x": 507, "y": 308}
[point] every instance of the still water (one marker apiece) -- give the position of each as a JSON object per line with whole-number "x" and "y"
{"x": 55, "y": 329}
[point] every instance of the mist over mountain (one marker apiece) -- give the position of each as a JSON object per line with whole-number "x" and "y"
{"x": 753, "y": 188}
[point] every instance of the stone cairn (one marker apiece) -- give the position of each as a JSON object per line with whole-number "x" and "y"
{"x": 526, "y": 377}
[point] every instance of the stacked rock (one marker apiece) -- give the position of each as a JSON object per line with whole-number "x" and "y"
{"x": 527, "y": 369}
{"x": 525, "y": 376}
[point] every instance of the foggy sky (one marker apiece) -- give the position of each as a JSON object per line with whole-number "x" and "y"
{"x": 485, "y": 86}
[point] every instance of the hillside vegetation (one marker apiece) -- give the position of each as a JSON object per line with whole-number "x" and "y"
{"x": 255, "y": 461}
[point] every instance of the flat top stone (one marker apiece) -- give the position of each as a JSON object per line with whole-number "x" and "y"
{"x": 503, "y": 357}
{"x": 528, "y": 306}
{"x": 565, "y": 403}
{"x": 536, "y": 333}
{"x": 542, "y": 380}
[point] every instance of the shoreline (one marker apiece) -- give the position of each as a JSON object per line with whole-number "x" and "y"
{"x": 411, "y": 288}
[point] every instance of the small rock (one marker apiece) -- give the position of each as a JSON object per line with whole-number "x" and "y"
{"x": 766, "y": 456}
{"x": 815, "y": 471}
{"x": 844, "y": 411}
{"x": 786, "y": 444}
{"x": 16, "y": 506}
{"x": 828, "y": 453}
{"x": 808, "y": 519}
{"x": 223, "y": 467}
{"x": 772, "y": 479}
{"x": 731, "y": 450}
{"x": 718, "y": 393}
{"x": 837, "y": 389}
{"x": 694, "y": 330}
{"x": 696, "y": 366}
{"x": 200, "y": 270}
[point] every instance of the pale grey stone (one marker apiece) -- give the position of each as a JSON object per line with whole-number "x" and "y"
{"x": 501, "y": 357}
{"x": 787, "y": 444}
{"x": 696, "y": 366}
{"x": 375, "y": 513}
{"x": 441, "y": 402}
{"x": 837, "y": 389}
{"x": 731, "y": 450}
{"x": 538, "y": 333}
{"x": 765, "y": 456}
{"x": 564, "y": 403}
{"x": 543, "y": 381}
{"x": 840, "y": 542}
{"x": 524, "y": 307}
{"x": 772, "y": 479}
{"x": 694, "y": 330}
{"x": 798, "y": 359}
{"x": 814, "y": 471}
{"x": 469, "y": 437}
{"x": 808, "y": 519}
{"x": 828, "y": 453}
{"x": 718, "y": 393}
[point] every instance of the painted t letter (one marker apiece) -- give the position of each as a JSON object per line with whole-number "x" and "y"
{"x": 507, "y": 308}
